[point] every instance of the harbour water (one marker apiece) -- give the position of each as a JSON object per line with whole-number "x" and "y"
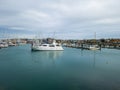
{"x": 71, "y": 69}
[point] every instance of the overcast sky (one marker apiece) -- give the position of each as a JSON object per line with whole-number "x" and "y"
{"x": 77, "y": 19}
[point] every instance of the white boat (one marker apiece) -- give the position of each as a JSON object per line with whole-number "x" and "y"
{"x": 94, "y": 47}
{"x": 91, "y": 47}
{"x": 12, "y": 44}
{"x": 3, "y": 45}
{"x": 47, "y": 47}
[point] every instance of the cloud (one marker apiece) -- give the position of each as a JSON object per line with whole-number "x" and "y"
{"x": 41, "y": 19}
{"x": 108, "y": 21}
{"x": 62, "y": 16}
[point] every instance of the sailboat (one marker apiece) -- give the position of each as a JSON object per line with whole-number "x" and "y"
{"x": 94, "y": 46}
{"x": 91, "y": 46}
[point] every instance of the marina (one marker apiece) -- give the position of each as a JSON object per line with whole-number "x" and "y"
{"x": 59, "y": 44}
{"x": 71, "y": 69}
{"x": 80, "y": 44}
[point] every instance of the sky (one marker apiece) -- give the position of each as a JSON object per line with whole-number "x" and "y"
{"x": 64, "y": 19}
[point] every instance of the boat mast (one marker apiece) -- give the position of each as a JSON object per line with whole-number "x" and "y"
{"x": 95, "y": 37}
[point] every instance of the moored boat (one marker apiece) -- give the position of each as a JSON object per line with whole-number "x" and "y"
{"x": 91, "y": 47}
{"x": 94, "y": 47}
{"x": 3, "y": 45}
{"x": 47, "y": 47}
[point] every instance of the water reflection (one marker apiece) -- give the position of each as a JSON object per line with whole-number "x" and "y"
{"x": 53, "y": 54}
{"x": 100, "y": 60}
{"x": 94, "y": 59}
{"x": 91, "y": 56}
{"x": 46, "y": 55}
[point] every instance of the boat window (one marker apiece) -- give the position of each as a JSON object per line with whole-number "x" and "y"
{"x": 57, "y": 45}
{"x": 44, "y": 45}
{"x": 51, "y": 46}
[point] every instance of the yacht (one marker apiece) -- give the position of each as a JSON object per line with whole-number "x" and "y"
{"x": 47, "y": 47}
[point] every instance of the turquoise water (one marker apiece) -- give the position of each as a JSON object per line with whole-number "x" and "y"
{"x": 71, "y": 69}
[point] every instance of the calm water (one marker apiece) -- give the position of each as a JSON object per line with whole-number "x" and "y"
{"x": 71, "y": 69}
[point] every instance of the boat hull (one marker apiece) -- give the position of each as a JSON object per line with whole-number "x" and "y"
{"x": 91, "y": 47}
{"x": 94, "y": 48}
{"x": 40, "y": 48}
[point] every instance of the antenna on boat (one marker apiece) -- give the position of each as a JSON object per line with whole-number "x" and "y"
{"x": 54, "y": 35}
{"x": 95, "y": 35}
